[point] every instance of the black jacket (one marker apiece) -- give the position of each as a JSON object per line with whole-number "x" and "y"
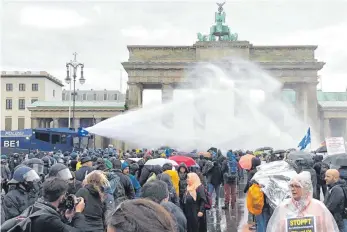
{"x": 51, "y": 221}
{"x": 183, "y": 179}
{"x": 214, "y": 176}
{"x": 334, "y": 201}
{"x": 82, "y": 172}
{"x": 177, "y": 214}
{"x": 255, "y": 163}
{"x": 146, "y": 171}
{"x": 126, "y": 181}
{"x": 94, "y": 209}
{"x": 17, "y": 200}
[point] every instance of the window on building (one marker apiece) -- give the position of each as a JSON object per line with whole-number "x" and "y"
{"x": 84, "y": 96}
{"x": 8, "y": 123}
{"x": 35, "y": 87}
{"x": 21, "y": 123}
{"x": 53, "y": 93}
{"x": 34, "y": 100}
{"x": 94, "y": 96}
{"x": 21, "y": 87}
{"x": 115, "y": 97}
{"x": 21, "y": 104}
{"x": 9, "y": 87}
{"x": 8, "y": 104}
{"x": 105, "y": 96}
{"x": 63, "y": 96}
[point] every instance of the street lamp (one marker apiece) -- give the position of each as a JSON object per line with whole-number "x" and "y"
{"x": 74, "y": 66}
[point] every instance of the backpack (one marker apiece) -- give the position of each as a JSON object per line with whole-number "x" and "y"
{"x": 323, "y": 169}
{"x": 22, "y": 223}
{"x": 255, "y": 200}
{"x": 232, "y": 173}
{"x": 208, "y": 205}
{"x": 119, "y": 190}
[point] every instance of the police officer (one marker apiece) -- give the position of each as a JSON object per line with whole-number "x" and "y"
{"x": 23, "y": 194}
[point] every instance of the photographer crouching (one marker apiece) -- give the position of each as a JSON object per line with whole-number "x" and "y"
{"x": 59, "y": 212}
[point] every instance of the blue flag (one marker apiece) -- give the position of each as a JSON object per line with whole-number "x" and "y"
{"x": 81, "y": 132}
{"x": 306, "y": 140}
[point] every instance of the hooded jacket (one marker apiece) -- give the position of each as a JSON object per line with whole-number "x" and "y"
{"x": 173, "y": 197}
{"x": 167, "y": 168}
{"x": 147, "y": 170}
{"x": 182, "y": 179}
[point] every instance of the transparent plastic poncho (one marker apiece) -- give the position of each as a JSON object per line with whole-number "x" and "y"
{"x": 305, "y": 207}
{"x": 274, "y": 180}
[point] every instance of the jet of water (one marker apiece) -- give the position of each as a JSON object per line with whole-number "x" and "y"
{"x": 220, "y": 111}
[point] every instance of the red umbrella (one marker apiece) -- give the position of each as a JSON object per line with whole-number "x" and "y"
{"x": 183, "y": 159}
{"x": 246, "y": 161}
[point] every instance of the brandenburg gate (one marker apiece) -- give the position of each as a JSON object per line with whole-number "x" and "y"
{"x": 163, "y": 67}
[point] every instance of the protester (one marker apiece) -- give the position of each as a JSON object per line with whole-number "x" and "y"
{"x": 194, "y": 204}
{"x": 335, "y": 198}
{"x": 140, "y": 215}
{"x": 94, "y": 195}
{"x": 157, "y": 191}
{"x": 302, "y": 204}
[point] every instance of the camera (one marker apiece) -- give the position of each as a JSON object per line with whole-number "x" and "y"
{"x": 70, "y": 202}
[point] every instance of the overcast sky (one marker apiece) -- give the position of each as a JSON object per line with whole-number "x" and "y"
{"x": 43, "y": 35}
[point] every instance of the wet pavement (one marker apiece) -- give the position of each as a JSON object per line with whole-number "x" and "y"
{"x": 219, "y": 220}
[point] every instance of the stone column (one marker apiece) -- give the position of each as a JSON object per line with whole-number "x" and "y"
{"x": 46, "y": 123}
{"x": 98, "y": 139}
{"x": 55, "y": 122}
{"x": 301, "y": 102}
{"x": 134, "y": 95}
{"x": 35, "y": 123}
{"x": 41, "y": 123}
{"x": 312, "y": 109}
{"x": 327, "y": 131}
{"x": 167, "y": 96}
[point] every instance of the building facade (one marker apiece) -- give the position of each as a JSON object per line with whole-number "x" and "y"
{"x": 21, "y": 89}
{"x": 94, "y": 95}
{"x": 295, "y": 66}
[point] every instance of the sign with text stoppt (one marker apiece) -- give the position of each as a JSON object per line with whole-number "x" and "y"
{"x": 303, "y": 224}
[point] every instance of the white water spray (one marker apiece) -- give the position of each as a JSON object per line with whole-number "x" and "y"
{"x": 221, "y": 111}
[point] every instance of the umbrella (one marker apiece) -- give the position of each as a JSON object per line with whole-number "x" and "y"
{"x": 278, "y": 152}
{"x": 295, "y": 155}
{"x": 336, "y": 160}
{"x": 264, "y": 149}
{"x": 322, "y": 149}
{"x": 183, "y": 159}
{"x": 246, "y": 161}
{"x": 161, "y": 162}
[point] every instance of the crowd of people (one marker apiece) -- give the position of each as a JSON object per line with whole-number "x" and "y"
{"x": 105, "y": 190}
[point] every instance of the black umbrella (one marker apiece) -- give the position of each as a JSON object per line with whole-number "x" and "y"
{"x": 322, "y": 149}
{"x": 278, "y": 152}
{"x": 336, "y": 160}
{"x": 264, "y": 149}
{"x": 295, "y": 155}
